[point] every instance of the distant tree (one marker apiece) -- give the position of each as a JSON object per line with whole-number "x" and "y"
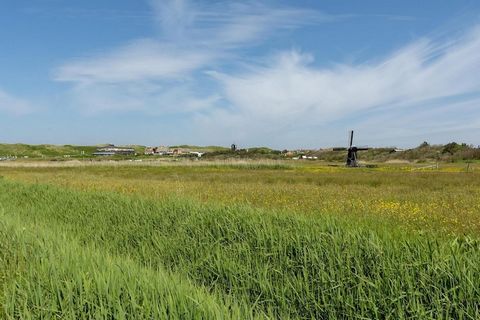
{"x": 454, "y": 147}
{"x": 424, "y": 144}
{"x": 450, "y": 148}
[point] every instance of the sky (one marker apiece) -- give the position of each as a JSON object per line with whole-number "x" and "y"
{"x": 283, "y": 74}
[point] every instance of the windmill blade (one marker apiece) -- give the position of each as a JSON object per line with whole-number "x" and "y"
{"x": 350, "y": 138}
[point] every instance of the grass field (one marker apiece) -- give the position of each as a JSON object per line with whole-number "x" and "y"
{"x": 273, "y": 240}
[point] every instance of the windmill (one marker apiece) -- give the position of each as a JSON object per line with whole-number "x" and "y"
{"x": 352, "y": 159}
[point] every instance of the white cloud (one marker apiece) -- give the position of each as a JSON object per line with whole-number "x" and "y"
{"x": 281, "y": 100}
{"x": 193, "y": 37}
{"x": 291, "y": 91}
{"x": 13, "y": 105}
{"x": 144, "y": 97}
{"x": 174, "y": 17}
{"x": 434, "y": 121}
{"x": 250, "y": 23}
{"x": 226, "y": 23}
{"x": 141, "y": 60}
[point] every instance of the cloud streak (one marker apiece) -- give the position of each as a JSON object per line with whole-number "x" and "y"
{"x": 142, "y": 60}
{"x": 291, "y": 90}
{"x": 192, "y": 38}
{"x": 418, "y": 72}
{"x": 192, "y": 68}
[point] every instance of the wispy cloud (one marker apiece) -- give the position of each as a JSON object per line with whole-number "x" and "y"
{"x": 193, "y": 37}
{"x": 146, "y": 98}
{"x": 229, "y": 23}
{"x": 142, "y": 60}
{"x": 77, "y": 10}
{"x": 13, "y": 105}
{"x": 292, "y": 91}
{"x": 191, "y": 68}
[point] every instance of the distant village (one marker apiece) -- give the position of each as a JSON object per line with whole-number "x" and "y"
{"x": 112, "y": 150}
{"x": 165, "y": 151}
{"x": 300, "y": 154}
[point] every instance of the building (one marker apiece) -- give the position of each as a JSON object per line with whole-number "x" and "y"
{"x": 159, "y": 151}
{"x": 112, "y": 150}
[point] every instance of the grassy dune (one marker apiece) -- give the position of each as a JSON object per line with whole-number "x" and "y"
{"x": 70, "y": 253}
{"x": 44, "y": 150}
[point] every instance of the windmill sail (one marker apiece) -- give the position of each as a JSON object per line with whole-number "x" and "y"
{"x": 352, "y": 157}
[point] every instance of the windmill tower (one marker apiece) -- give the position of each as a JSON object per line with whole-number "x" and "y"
{"x": 352, "y": 159}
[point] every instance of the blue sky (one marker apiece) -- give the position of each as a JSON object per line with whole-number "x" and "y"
{"x": 285, "y": 74}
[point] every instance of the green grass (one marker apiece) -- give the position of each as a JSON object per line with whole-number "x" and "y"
{"x": 47, "y": 275}
{"x": 445, "y": 201}
{"x": 45, "y": 150}
{"x": 70, "y": 254}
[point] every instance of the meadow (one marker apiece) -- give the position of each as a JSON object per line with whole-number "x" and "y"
{"x": 239, "y": 240}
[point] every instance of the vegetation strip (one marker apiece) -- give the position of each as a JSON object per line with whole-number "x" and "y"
{"x": 45, "y": 275}
{"x": 283, "y": 266}
{"x": 442, "y": 202}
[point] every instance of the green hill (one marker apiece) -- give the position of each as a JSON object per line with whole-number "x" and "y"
{"x": 425, "y": 152}
{"x": 44, "y": 150}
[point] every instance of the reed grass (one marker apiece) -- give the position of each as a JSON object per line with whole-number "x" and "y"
{"x": 46, "y": 275}
{"x": 116, "y": 256}
{"x": 445, "y": 202}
